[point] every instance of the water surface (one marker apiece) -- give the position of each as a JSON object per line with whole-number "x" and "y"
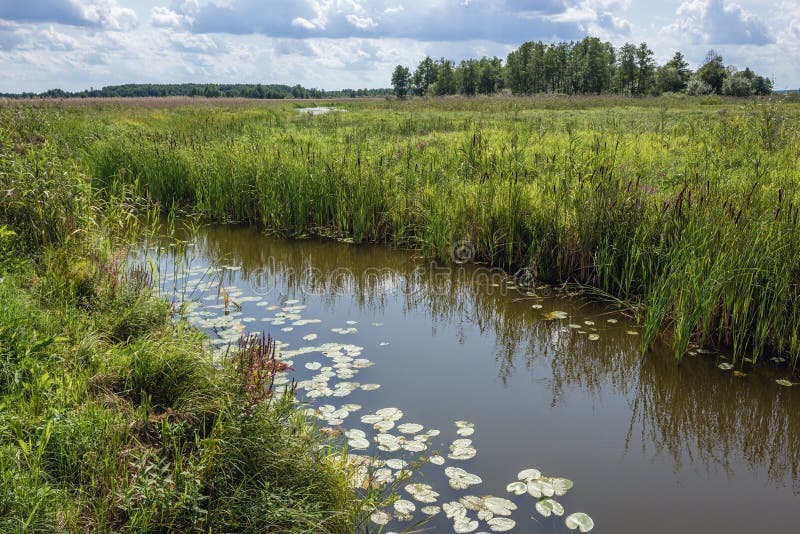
{"x": 651, "y": 446}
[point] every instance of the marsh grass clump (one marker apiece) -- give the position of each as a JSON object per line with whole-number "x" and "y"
{"x": 114, "y": 418}
{"x": 682, "y": 210}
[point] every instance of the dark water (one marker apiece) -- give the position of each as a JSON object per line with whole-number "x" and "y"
{"x": 651, "y": 446}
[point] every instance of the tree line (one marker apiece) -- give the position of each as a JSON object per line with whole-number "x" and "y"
{"x": 588, "y": 66}
{"x": 260, "y": 91}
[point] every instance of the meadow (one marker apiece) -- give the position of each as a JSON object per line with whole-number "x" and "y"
{"x": 681, "y": 210}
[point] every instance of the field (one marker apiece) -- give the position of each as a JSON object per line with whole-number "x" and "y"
{"x": 682, "y": 210}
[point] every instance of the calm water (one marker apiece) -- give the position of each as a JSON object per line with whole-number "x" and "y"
{"x": 651, "y": 446}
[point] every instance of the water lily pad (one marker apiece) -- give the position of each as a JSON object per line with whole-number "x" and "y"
{"x": 548, "y": 507}
{"x": 517, "y": 488}
{"x": 499, "y": 505}
{"x": 313, "y": 366}
{"x": 560, "y": 485}
{"x": 501, "y": 524}
{"x": 396, "y": 464}
{"x": 725, "y": 366}
{"x": 783, "y": 382}
{"x": 529, "y": 474}
{"x": 409, "y": 428}
{"x": 539, "y": 488}
{"x": 593, "y": 337}
{"x": 555, "y": 315}
{"x": 462, "y": 449}
{"x": 310, "y": 337}
{"x": 632, "y": 333}
{"x": 460, "y": 479}
{"x": 580, "y": 521}
{"x": 436, "y": 460}
{"x": 430, "y": 510}
{"x": 403, "y": 509}
{"x": 422, "y": 492}
{"x": 370, "y": 387}
{"x": 463, "y": 525}
{"x": 612, "y": 321}
{"x": 454, "y": 510}
{"x": 380, "y": 517}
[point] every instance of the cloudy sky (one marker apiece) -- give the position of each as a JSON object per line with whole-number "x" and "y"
{"x": 334, "y": 44}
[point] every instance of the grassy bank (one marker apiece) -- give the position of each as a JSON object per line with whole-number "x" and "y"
{"x": 112, "y": 415}
{"x": 684, "y": 209}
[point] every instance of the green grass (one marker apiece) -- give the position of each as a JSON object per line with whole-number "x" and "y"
{"x": 683, "y": 208}
{"x": 112, "y": 415}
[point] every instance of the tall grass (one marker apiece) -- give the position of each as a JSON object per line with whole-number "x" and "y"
{"x": 685, "y": 208}
{"x": 112, "y": 416}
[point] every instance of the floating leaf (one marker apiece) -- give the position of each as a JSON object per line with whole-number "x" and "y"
{"x": 379, "y": 517}
{"x": 460, "y": 479}
{"x": 501, "y": 524}
{"x": 410, "y": 428}
{"x": 430, "y": 510}
{"x": 548, "y": 507}
{"x": 560, "y": 485}
{"x": 579, "y": 520}
{"x": 462, "y": 525}
{"x": 554, "y": 315}
{"x": 454, "y": 510}
{"x": 539, "y": 488}
{"x": 517, "y": 488}
{"x": 593, "y": 337}
{"x": 403, "y": 508}
{"x": 739, "y": 374}
{"x": 632, "y": 333}
{"x": 499, "y": 505}
{"x": 725, "y": 366}
{"x": 782, "y": 382}
{"x": 436, "y": 460}
{"x": 529, "y": 474}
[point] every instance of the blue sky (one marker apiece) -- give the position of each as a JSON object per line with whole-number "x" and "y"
{"x": 333, "y": 44}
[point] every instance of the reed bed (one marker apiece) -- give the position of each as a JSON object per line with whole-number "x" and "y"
{"x": 113, "y": 416}
{"x": 683, "y": 210}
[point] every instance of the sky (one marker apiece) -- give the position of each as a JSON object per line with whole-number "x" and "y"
{"x": 336, "y": 44}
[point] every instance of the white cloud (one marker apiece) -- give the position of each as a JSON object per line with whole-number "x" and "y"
{"x": 167, "y": 18}
{"x": 714, "y": 22}
{"x": 362, "y": 23}
{"x": 109, "y": 15}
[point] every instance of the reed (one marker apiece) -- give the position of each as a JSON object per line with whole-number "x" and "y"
{"x": 683, "y": 208}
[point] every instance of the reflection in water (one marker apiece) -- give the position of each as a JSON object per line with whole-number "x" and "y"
{"x": 692, "y": 413}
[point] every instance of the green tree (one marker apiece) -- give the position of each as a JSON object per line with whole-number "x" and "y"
{"x": 682, "y": 67}
{"x": 401, "y": 79}
{"x": 713, "y": 71}
{"x": 445, "y": 78}
{"x": 645, "y": 69}
{"x": 424, "y": 77}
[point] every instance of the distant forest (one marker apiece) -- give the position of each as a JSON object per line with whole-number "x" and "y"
{"x": 589, "y": 66}
{"x": 204, "y": 90}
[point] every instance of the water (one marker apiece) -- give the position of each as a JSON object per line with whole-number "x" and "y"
{"x": 651, "y": 446}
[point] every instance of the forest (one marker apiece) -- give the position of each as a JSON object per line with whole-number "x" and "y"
{"x": 589, "y": 66}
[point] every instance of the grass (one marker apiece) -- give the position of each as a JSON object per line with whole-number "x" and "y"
{"x": 684, "y": 209}
{"x": 113, "y": 417}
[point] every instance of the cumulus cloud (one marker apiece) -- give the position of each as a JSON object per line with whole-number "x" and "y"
{"x": 498, "y": 20}
{"x": 196, "y": 44}
{"x": 60, "y": 11}
{"x": 164, "y": 17}
{"x": 716, "y": 22}
{"x": 57, "y": 41}
{"x": 106, "y": 14}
